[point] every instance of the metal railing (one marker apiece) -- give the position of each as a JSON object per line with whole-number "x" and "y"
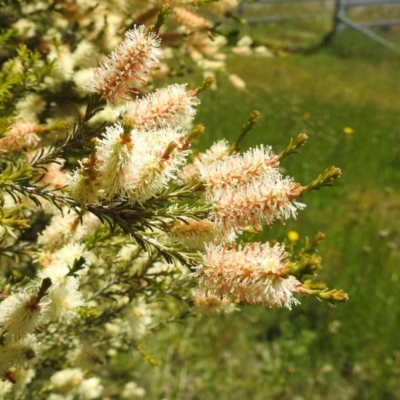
{"x": 340, "y": 18}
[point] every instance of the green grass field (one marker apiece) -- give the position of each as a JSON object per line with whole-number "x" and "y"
{"x": 315, "y": 351}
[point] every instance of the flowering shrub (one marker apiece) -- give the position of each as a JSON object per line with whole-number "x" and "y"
{"x": 118, "y": 228}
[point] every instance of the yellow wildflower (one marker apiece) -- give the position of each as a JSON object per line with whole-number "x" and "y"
{"x": 293, "y": 236}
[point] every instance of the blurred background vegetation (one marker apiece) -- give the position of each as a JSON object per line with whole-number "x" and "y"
{"x": 346, "y": 98}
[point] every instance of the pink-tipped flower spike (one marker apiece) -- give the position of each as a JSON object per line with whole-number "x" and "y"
{"x": 248, "y": 190}
{"x": 251, "y": 274}
{"x": 22, "y": 134}
{"x": 218, "y": 151}
{"x": 172, "y": 105}
{"x": 195, "y": 234}
{"x": 190, "y": 20}
{"x": 238, "y": 169}
{"x": 127, "y": 66}
{"x": 257, "y": 203}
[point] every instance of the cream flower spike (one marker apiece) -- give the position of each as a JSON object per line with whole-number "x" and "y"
{"x": 138, "y": 164}
{"x": 21, "y": 313}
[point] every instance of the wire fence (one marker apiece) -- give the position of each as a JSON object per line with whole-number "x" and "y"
{"x": 340, "y": 16}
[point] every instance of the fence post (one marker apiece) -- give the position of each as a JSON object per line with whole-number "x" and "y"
{"x": 241, "y": 8}
{"x": 335, "y": 24}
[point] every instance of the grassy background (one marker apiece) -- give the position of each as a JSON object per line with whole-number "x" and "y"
{"x": 315, "y": 351}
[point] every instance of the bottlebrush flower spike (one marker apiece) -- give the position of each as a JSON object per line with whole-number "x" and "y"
{"x": 18, "y": 353}
{"x": 22, "y": 134}
{"x": 127, "y": 66}
{"x": 258, "y": 203}
{"x": 239, "y": 168}
{"x": 218, "y": 151}
{"x": 194, "y": 234}
{"x": 212, "y": 305}
{"x": 21, "y": 313}
{"x": 191, "y": 20}
{"x": 248, "y": 190}
{"x": 250, "y": 274}
{"x": 67, "y": 228}
{"x": 170, "y": 105}
{"x": 138, "y": 164}
{"x": 84, "y": 186}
